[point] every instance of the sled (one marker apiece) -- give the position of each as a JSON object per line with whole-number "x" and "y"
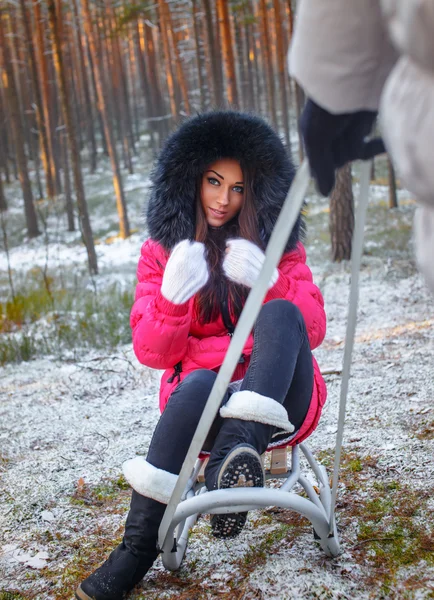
{"x": 197, "y": 500}
{"x": 190, "y": 497}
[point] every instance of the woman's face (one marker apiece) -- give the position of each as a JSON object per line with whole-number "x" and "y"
{"x": 222, "y": 191}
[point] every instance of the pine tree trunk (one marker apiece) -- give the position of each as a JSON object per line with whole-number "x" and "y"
{"x": 393, "y": 198}
{"x": 239, "y": 34}
{"x": 342, "y": 215}
{"x": 117, "y": 179}
{"x": 167, "y": 59}
{"x": 299, "y": 104}
{"x": 281, "y": 63}
{"x": 199, "y": 56}
{"x": 86, "y": 91}
{"x": 228, "y": 53}
{"x": 19, "y": 141}
{"x": 182, "y": 82}
{"x": 250, "y": 58}
{"x": 85, "y": 226}
{"x": 45, "y": 94}
{"x": 266, "y": 50}
{"x": 67, "y": 186}
{"x": 3, "y": 203}
{"x": 38, "y": 102}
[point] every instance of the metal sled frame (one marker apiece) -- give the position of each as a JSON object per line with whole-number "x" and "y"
{"x": 197, "y": 500}
{"x": 190, "y": 497}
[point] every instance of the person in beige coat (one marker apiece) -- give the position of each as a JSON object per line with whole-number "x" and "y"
{"x": 354, "y": 59}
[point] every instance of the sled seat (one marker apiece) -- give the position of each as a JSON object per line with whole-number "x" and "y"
{"x": 278, "y": 463}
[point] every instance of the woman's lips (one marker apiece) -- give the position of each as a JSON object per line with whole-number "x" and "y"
{"x": 218, "y": 214}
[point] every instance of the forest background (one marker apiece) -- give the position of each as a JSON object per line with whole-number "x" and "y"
{"x": 89, "y": 91}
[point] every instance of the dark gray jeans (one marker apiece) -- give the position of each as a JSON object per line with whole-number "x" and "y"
{"x": 280, "y": 368}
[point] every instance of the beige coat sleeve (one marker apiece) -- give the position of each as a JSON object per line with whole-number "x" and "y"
{"x": 341, "y": 53}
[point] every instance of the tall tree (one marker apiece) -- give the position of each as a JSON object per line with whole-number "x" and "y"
{"x": 342, "y": 215}
{"x": 45, "y": 93}
{"x": 89, "y": 109}
{"x": 167, "y": 58}
{"x": 17, "y": 132}
{"x": 228, "y": 53}
{"x": 181, "y": 80}
{"x": 124, "y": 225}
{"x": 281, "y": 65}
{"x": 54, "y": 19}
{"x": 199, "y": 55}
{"x": 267, "y": 56}
{"x": 42, "y": 131}
{"x": 213, "y": 56}
{"x": 393, "y": 198}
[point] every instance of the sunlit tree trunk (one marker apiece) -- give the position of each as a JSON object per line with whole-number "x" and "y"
{"x": 239, "y": 35}
{"x": 45, "y": 93}
{"x": 342, "y": 215}
{"x": 281, "y": 63}
{"x": 199, "y": 55}
{"x": 167, "y": 58}
{"x": 86, "y": 230}
{"x": 42, "y": 132}
{"x": 182, "y": 82}
{"x": 266, "y": 51}
{"x": 228, "y": 53}
{"x": 89, "y": 109}
{"x": 250, "y": 58}
{"x": 11, "y": 93}
{"x": 117, "y": 179}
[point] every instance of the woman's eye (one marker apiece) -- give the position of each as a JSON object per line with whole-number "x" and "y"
{"x": 238, "y": 189}
{"x": 213, "y": 181}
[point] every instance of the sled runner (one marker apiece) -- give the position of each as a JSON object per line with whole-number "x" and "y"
{"x": 190, "y": 497}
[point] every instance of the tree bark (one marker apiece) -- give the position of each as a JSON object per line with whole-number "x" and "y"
{"x": 67, "y": 186}
{"x": 3, "y": 203}
{"x": 281, "y": 64}
{"x": 12, "y": 100}
{"x": 86, "y": 92}
{"x": 45, "y": 94}
{"x": 199, "y": 56}
{"x": 393, "y": 198}
{"x": 268, "y": 63}
{"x": 217, "y": 84}
{"x": 117, "y": 179}
{"x": 85, "y": 226}
{"x": 167, "y": 59}
{"x": 342, "y": 215}
{"x": 182, "y": 82}
{"x": 228, "y": 53}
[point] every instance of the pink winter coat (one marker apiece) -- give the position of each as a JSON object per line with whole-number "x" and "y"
{"x": 165, "y": 334}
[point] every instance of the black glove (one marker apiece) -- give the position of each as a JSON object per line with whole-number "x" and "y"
{"x": 331, "y": 141}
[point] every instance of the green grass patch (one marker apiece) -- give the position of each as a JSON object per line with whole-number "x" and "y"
{"x": 46, "y": 317}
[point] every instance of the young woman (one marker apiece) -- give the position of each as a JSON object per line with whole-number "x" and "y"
{"x": 217, "y": 191}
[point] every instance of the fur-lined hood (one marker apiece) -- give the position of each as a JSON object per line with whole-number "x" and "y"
{"x": 201, "y": 140}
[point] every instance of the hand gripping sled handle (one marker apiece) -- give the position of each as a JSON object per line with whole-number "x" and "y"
{"x": 282, "y": 229}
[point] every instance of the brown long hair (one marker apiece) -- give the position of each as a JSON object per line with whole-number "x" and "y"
{"x": 219, "y": 290}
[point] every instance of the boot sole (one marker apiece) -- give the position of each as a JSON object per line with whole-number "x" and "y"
{"x": 241, "y": 468}
{"x": 80, "y": 595}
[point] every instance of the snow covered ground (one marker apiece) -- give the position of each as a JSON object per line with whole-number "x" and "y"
{"x": 66, "y": 426}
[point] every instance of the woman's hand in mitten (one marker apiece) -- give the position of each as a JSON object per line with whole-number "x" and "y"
{"x": 243, "y": 262}
{"x": 186, "y": 272}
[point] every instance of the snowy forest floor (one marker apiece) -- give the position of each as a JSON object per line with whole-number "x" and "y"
{"x": 81, "y": 405}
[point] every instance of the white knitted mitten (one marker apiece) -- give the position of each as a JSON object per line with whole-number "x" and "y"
{"x": 186, "y": 272}
{"x": 243, "y": 263}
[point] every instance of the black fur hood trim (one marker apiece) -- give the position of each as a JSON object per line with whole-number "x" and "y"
{"x": 197, "y": 143}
